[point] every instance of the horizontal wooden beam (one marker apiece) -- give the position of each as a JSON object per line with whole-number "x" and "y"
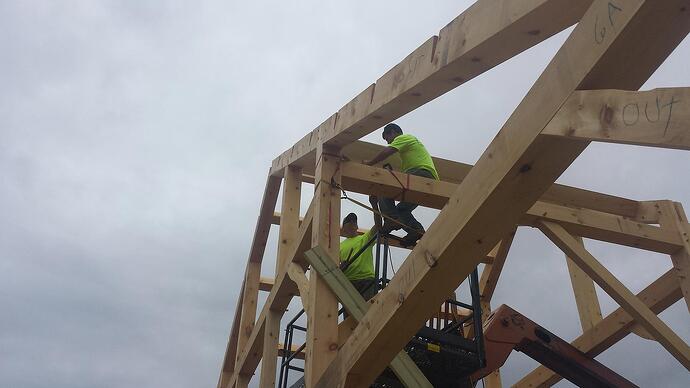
{"x": 655, "y": 118}
{"x": 266, "y": 284}
{"x": 483, "y": 36}
{"x": 455, "y": 172}
{"x": 626, "y": 299}
{"x": 293, "y": 349}
{"x": 583, "y": 222}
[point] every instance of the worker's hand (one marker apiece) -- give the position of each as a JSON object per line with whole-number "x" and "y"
{"x": 373, "y": 200}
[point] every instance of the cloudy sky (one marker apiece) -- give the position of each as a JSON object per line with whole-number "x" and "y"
{"x": 135, "y": 137}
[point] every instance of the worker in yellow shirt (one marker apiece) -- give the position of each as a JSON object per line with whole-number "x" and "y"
{"x": 415, "y": 160}
{"x": 356, "y": 258}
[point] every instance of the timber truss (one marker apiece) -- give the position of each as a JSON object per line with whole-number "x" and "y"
{"x": 588, "y": 92}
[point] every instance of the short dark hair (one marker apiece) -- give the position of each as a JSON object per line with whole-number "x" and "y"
{"x": 392, "y": 127}
{"x": 352, "y": 217}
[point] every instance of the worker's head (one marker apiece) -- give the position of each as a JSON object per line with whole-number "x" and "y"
{"x": 349, "y": 228}
{"x": 391, "y": 131}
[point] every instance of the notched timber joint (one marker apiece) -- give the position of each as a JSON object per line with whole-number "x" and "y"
{"x": 431, "y": 260}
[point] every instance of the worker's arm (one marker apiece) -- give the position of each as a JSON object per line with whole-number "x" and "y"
{"x": 386, "y": 152}
{"x": 374, "y": 201}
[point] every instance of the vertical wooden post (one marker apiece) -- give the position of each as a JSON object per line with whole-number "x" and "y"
{"x": 248, "y": 317}
{"x": 289, "y": 216}
{"x": 493, "y": 379}
{"x": 289, "y": 227}
{"x": 585, "y": 294}
{"x": 672, "y": 216}
{"x": 322, "y": 327}
{"x": 487, "y": 286}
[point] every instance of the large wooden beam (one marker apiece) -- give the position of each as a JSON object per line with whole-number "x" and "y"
{"x": 626, "y": 299}
{"x": 656, "y": 118}
{"x": 455, "y": 172}
{"x": 491, "y": 272}
{"x": 511, "y": 175}
{"x": 322, "y": 317}
{"x": 287, "y": 239}
{"x": 486, "y": 34}
{"x": 263, "y": 223}
{"x": 658, "y": 296}
{"x": 249, "y": 303}
{"x": 673, "y": 217}
{"x": 583, "y": 222}
{"x": 585, "y": 294}
{"x": 228, "y": 364}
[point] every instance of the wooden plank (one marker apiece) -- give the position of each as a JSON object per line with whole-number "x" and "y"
{"x": 322, "y": 320}
{"x": 287, "y": 239}
{"x": 658, "y": 296}
{"x": 608, "y": 228}
{"x": 293, "y": 349}
{"x": 493, "y": 379}
{"x": 263, "y": 223}
{"x": 249, "y": 303}
{"x": 585, "y": 294}
{"x": 583, "y": 222}
{"x": 483, "y": 36}
{"x": 289, "y": 215}
{"x": 228, "y": 364}
{"x": 243, "y": 381}
{"x": 269, "y": 364}
{"x": 655, "y": 118}
{"x": 609, "y": 283}
{"x": 491, "y": 272}
{"x": 354, "y": 303}
{"x": 265, "y": 284}
{"x": 672, "y": 216}
{"x": 511, "y": 175}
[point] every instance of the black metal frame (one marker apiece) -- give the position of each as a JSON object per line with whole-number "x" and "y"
{"x": 288, "y": 355}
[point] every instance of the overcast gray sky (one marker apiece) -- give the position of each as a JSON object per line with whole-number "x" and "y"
{"x": 135, "y": 137}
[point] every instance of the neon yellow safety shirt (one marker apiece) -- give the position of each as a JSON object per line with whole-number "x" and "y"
{"x": 413, "y": 154}
{"x": 363, "y": 266}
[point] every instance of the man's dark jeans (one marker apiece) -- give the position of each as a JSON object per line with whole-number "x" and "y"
{"x": 366, "y": 287}
{"x": 402, "y": 212}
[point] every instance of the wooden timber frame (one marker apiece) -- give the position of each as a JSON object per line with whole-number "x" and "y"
{"x": 588, "y": 92}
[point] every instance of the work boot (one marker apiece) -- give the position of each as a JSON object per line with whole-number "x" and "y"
{"x": 389, "y": 226}
{"x": 411, "y": 238}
